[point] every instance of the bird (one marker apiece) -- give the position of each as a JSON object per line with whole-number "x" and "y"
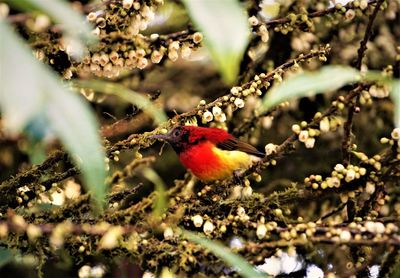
{"x": 210, "y": 153}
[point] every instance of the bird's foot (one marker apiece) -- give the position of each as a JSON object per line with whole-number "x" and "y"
{"x": 236, "y": 177}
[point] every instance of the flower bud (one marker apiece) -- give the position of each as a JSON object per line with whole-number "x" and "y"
{"x": 261, "y": 231}
{"x": 84, "y": 271}
{"x": 333, "y": 182}
{"x": 101, "y": 22}
{"x": 127, "y": 4}
{"x": 207, "y": 116}
{"x": 267, "y": 122}
{"x": 197, "y": 221}
{"x": 142, "y": 63}
{"x": 396, "y": 133}
{"x": 140, "y": 53}
{"x": 221, "y": 118}
{"x": 91, "y": 17}
{"x": 156, "y": 56}
{"x": 309, "y": 143}
{"x": 216, "y": 111}
{"x": 345, "y": 236}
{"x": 114, "y": 56}
{"x": 339, "y": 168}
{"x": 324, "y": 125}
{"x": 303, "y": 136}
{"x": 296, "y": 128}
{"x": 185, "y": 51}
{"x": 197, "y": 37}
{"x": 270, "y": 148}
{"x": 350, "y": 14}
{"x": 173, "y": 55}
{"x": 350, "y": 175}
{"x": 168, "y": 234}
{"x": 363, "y": 4}
{"x": 253, "y": 21}
{"x": 235, "y": 91}
{"x": 370, "y": 188}
{"x": 174, "y": 45}
{"x": 239, "y": 103}
{"x": 208, "y": 227}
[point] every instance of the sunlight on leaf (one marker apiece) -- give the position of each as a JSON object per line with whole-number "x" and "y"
{"x": 124, "y": 93}
{"x": 30, "y": 90}
{"x": 226, "y": 32}
{"x": 233, "y": 260}
{"x": 327, "y": 79}
{"x": 161, "y": 200}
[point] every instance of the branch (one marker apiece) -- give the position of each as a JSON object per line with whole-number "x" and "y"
{"x": 285, "y": 20}
{"x": 367, "y": 34}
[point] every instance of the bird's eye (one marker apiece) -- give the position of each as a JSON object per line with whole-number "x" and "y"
{"x": 176, "y": 133}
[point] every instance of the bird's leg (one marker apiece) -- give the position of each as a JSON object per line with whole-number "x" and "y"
{"x": 236, "y": 177}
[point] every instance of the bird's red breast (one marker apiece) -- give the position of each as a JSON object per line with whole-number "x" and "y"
{"x": 210, "y": 153}
{"x": 208, "y": 162}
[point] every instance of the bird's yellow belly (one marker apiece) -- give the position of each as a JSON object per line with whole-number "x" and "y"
{"x": 229, "y": 161}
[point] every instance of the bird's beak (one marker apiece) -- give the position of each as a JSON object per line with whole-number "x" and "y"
{"x": 164, "y": 137}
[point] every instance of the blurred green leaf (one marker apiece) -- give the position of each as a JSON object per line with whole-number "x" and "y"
{"x": 29, "y": 89}
{"x": 6, "y": 256}
{"x": 226, "y": 30}
{"x": 74, "y": 25}
{"x": 36, "y": 151}
{"x": 376, "y": 76}
{"x": 328, "y": 78}
{"x": 395, "y": 95}
{"x": 233, "y": 260}
{"x": 161, "y": 202}
{"x": 128, "y": 95}
{"x": 395, "y": 273}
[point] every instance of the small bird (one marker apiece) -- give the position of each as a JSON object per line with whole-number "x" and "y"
{"x": 210, "y": 153}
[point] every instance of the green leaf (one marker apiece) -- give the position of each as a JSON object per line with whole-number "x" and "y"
{"x": 395, "y": 95}
{"x": 30, "y": 90}
{"x": 161, "y": 201}
{"x": 73, "y": 24}
{"x": 329, "y": 78}
{"x": 233, "y": 260}
{"x": 226, "y": 30}
{"x": 128, "y": 95}
{"x": 6, "y": 256}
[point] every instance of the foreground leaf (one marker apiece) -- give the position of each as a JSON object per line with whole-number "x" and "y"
{"x": 40, "y": 94}
{"x": 233, "y": 260}
{"x": 161, "y": 201}
{"x": 73, "y": 24}
{"x": 395, "y": 95}
{"x": 226, "y": 30}
{"x": 6, "y": 256}
{"x": 124, "y": 93}
{"x": 329, "y": 78}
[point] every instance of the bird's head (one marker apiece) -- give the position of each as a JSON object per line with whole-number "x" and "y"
{"x": 178, "y": 138}
{"x": 182, "y": 138}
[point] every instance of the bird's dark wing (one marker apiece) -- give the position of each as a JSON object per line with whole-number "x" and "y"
{"x": 234, "y": 144}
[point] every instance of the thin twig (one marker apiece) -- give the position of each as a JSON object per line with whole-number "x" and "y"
{"x": 367, "y": 34}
